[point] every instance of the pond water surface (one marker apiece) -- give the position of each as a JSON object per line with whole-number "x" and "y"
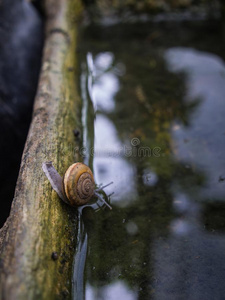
{"x": 153, "y": 117}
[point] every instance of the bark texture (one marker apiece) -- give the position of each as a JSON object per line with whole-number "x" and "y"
{"x": 39, "y": 223}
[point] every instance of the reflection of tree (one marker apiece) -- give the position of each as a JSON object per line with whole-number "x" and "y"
{"x": 149, "y": 101}
{"x": 114, "y": 251}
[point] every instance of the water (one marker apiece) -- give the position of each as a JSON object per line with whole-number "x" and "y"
{"x": 154, "y": 124}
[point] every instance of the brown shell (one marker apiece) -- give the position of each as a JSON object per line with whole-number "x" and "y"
{"x": 79, "y": 184}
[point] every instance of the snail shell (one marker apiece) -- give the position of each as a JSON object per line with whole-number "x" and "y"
{"x": 79, "y": 184}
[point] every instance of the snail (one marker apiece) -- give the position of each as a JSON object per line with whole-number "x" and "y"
{"x": 77, "y": 187}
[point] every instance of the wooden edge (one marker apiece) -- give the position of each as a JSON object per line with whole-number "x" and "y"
{"x": 39, "y": 223}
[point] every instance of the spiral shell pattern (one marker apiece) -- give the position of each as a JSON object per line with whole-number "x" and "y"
{"x": 79, "y": 184}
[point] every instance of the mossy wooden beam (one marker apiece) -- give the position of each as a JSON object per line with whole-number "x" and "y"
{"x": 39, "y": 223}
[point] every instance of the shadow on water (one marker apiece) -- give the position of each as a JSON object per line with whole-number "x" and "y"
{"x": 157, "y": 93}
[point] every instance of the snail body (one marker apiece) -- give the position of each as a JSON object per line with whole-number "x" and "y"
{"x": 79, "y": 184}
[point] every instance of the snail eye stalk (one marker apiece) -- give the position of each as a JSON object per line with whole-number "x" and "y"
{"x": 98, "y": 195}
{"x": 100, "y": 188}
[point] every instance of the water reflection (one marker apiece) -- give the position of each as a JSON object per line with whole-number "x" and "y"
{"x": 107, "y": 83}
{"x": 202, "y": 143}
{"x": 190, "y": 263}
{"x": 113, "y": 291}
{"x": 164, "y": 238}
{"x": 107, "y": 145}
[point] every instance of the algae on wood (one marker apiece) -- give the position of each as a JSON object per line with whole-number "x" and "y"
{"x": 39, "y": 223}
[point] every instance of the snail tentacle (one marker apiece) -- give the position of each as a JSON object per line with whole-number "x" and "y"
{"x": 102, "y": 199}
{"x": 103, "y": 187}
